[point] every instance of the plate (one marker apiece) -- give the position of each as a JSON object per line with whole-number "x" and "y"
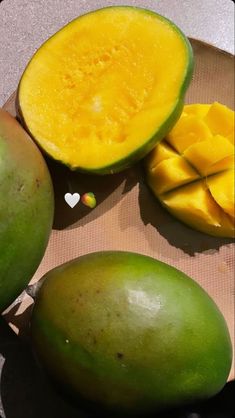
{"x": 127, "y": 216}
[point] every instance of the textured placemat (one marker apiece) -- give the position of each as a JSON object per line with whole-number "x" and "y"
{"x": 127, "y": 216}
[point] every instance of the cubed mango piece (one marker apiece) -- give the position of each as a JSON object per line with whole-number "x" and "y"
{"x": 205, "y": 154}
{"x": 194, "y": 201}
{"x": 231, "y": 137}
{"x": 171, "y": 173}
{"x": 221, "y": 187}
{"x": 194, "y": 205}
{"x": 199, "y": 110}
{"x": 187, "y": 131}
{"x": 220, "y": 119}
{"x": 162, "y": 152}
{"x": 226, "y": 163}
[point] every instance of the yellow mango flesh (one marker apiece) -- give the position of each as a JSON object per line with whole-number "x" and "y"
{"x": 160, "y": 153}
{"x": 220, "y": 119}
{"x": 199, "y": 110}
{"x": 194, "y": 199}
{"x": 221, "y": 187}
{"x": 205, "y": 201}
{"x": 172, "y": 173}
{"x": 187, "y": 131}
{"x": 103, "y": 86}
{"x": 205, "y": 154}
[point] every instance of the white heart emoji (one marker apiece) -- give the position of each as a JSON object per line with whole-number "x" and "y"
{"x": 72, "y": 199}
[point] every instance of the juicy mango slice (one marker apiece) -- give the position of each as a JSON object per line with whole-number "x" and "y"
{"x": 199, "y": 110}
{"x": 187, "y": 131}
{"x": 204, "y": 155}
{"x": 221, "y": 187}
{"x": 231, "y": 137}
{"x": 172, "y": 173}
{"x": 195, "y": 182}
{"x": 195, "y": 204}
{"x": 220, "y": 119}
{"x": 160, "y": 153}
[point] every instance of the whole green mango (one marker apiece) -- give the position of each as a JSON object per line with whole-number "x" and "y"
{"x": 26, "y": 208}
{"x": 128, "y": 331}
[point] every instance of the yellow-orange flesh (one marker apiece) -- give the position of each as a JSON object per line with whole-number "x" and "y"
{"x": 192, "y": 170}
{"x": 102, "y": 86}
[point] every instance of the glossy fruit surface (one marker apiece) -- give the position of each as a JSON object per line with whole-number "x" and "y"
{"x": 128, "y": 331}
{"x": 26, "y": 208}
{"x": 99, "y": 100}
{"x": 191, "y": 172}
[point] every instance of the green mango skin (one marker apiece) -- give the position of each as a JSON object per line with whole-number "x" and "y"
{"x": 130, "y": 332}
{"x": 26, "y": 208}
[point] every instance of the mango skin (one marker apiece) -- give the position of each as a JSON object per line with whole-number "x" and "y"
{"x": 130, "y": 332}
{"x": 26, "y": 208}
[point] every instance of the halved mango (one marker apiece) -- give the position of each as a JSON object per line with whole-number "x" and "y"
{"x": 204, "y": 201}
{"x": 106, "y": 88}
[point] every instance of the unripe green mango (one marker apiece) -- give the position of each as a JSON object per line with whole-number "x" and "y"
{"x": 128, "y": 331}
{"x": 26, "y": 208}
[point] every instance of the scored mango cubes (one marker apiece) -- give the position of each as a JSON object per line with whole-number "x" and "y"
{"x": 191, "y": 172}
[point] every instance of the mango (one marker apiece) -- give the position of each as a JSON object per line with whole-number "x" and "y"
{"x": 205, "y": 154}
{"x": 98, "y": 101}
{"x": 221, "y": 187}
{"x": 26, "y": 208}
{"x": 129, "y": 332}
{"x": 171, "y": 173}
{"x": 187, "y": 131}
{"x": 220, "y": 119}
{"x": 192, "y": 171}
